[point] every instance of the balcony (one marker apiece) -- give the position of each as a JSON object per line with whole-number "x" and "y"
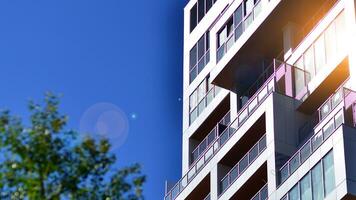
{"x": 240, "y": 56}
{"x": 270, "y": 84}
{"x": 243, "y": 164}
{"x": 262, "y": 194}
{"x": 205, "y": 101}
{"x": 316, "y": 140}
{"x": 239, "y": 29}
{"x": 209, "y": 139}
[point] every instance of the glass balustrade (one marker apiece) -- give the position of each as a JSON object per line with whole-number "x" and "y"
{"x": 247, "y": 110}
{"x": 243, "y": 164}
{"x": 311, "y": 146}
{"x": 262, "y": 194}
{"x": 209, "y": 139}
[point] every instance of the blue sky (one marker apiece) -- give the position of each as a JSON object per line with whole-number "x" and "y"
{"x": 126, "y": 53}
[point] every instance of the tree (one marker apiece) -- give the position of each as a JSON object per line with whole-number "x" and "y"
{"x": 45, "y": 161}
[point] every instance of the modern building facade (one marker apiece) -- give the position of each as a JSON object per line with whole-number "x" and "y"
{"x": 269, "y": 108}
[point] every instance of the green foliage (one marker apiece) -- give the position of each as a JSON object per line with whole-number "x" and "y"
{"x": 44, "y": 161}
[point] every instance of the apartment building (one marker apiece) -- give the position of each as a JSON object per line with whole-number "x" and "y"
{"x": 269, "y": 108}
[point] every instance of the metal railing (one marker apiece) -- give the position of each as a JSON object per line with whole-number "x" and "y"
{"x": 262, "y": 194}
{"x": 243, "y": 164}
{"x": 199, "y": 66}
{"x": 246, "y": 111}
{"x": 238, "y": 30}
{"x": 209, "y": 139}
{"x": 323, "y": 111}
{"x": 203, "y": 103}
{"x": 310, "y": 146}
{"x": 342, "y": 95}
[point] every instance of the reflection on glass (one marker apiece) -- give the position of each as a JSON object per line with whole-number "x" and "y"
{"x": 317, "y": 182}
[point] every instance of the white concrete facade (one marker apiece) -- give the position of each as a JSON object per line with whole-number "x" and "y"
{"x": 263, "y": 132}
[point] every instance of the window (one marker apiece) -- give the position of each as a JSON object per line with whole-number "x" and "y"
{"x": 340, "y": 32}
{"x": 319, "y": 53}
{"x": 193, "y": 56}
{"x": 198, "y": 12}
{"x": 201, "y": 97}
{"x": 330, "y": 43}
{"x": 329, "y": 176}
{"x": 193, "y": 100}
{"x": 317, "y": 182}
{"x": 201, "y": 9}
{"x": 193, "y": 17}
{"x": 201, "y": 47}
{"x": 225, "y": 32}
{"x": 199, "y": 56}
{"x": 305, "y": 188}
{"x": 249, "y": 4}
{"x": 294, "y": 193}
{"x": 309, "y": 61}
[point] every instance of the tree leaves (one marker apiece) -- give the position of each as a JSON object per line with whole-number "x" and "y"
{"x": 45, "y": 161}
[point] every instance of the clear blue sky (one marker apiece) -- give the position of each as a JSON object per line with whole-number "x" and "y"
{"x": 128, "y": 53}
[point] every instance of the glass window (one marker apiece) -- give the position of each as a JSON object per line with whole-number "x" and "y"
{"x": 201, "y": 90}
{"x": 207, "y": 38}
{"x": 193, "y": 18}
{"x": 193, "y": 100}
{"x": 208, "y": 4}
{"x": 299, "y": 79}
{"x": 309, "y": 61}
{"x": 230, "y": 28}
{"x": 294, "y": 193}
{"x": 329, "y": 176}
{"x": 330, "y": 43}
{"x": 319, "y": 53}
{"x": 222, "y": 36}
{"x": 305, "y": 188}
{"x": 340, "y": 32}
{"x": 201, "y": 47}
{"x": 201, "y": 9}
{"x": 210, "y": 86}
{"x": 193, "y": 57}
{"x": 249, "y": 6}
{"x": 238, "y": 16}
{"x": 317, "y": 182}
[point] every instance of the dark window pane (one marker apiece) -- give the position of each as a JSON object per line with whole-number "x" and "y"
{"x": 201, "y": 9}
{"x": 229, "y": 26}
{"x": 193, "y": 56}
{"x": 193, "y": 18}
{"x": 329, "y": 175}
{"x": 317, "y": 182}
{"x": 208, "y": 4}
{"x": 238, "y": 16}
{"x": 201, "y": 47}
{"x": 207, "y": 37}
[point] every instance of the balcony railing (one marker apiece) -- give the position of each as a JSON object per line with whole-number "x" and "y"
{"x": 247, "y": 110}
{"x": 310, "y": 146}
{"x": 239, "y": 29}
{"x": 209, "y": 139}
{"x": 344, "y": 95}
{"x": 324, "y": 110}
{"x": 262, "y": 194}
{"x": 204, "y": 60}
{"x": 203, "y": 103}
{"x": 243, "y": 164}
